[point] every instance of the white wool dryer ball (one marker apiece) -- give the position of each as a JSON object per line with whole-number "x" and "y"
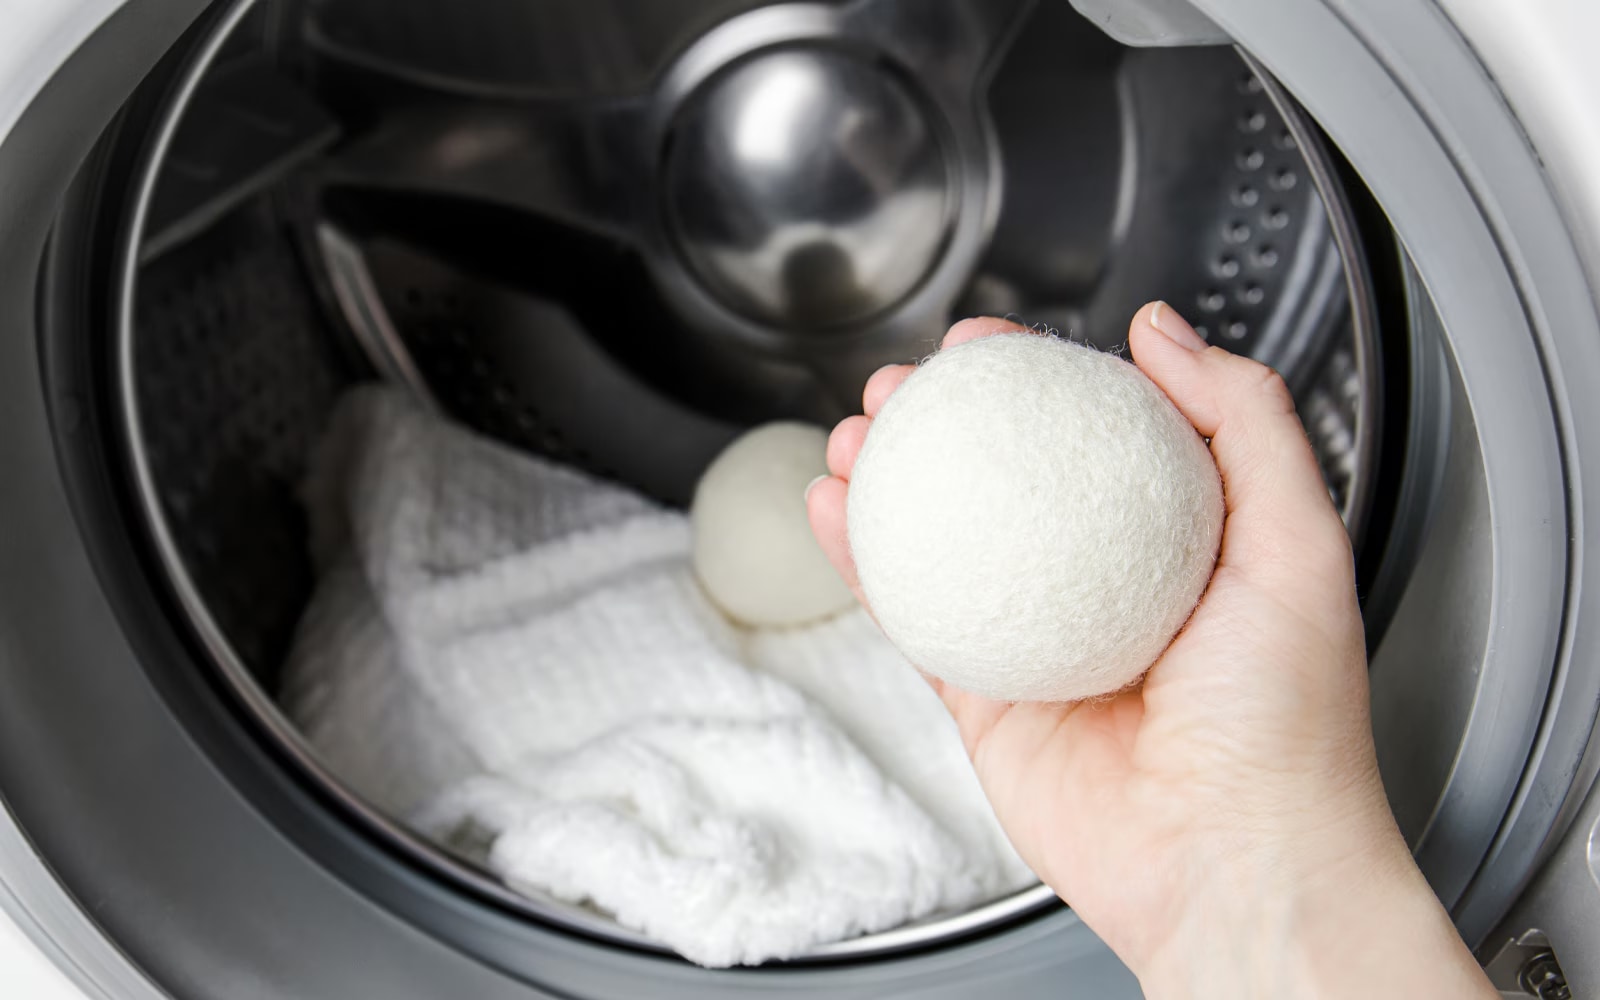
{"x": 753, "y": 548}
{"x": 1032, "y": 519}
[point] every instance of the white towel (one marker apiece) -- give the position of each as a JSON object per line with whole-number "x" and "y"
{"x": 501, "y": 646}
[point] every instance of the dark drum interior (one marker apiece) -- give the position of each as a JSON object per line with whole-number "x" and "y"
{"x": 572, "y": 227}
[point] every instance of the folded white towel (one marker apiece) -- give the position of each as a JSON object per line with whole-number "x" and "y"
{"x": 502, "y": 645}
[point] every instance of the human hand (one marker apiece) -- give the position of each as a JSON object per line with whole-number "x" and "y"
{"x": 1222, "y": 826}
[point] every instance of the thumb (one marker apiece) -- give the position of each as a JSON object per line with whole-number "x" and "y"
{"x": 1279, "y": 512}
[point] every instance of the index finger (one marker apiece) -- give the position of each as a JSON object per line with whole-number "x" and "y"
{"x": 978, "y": 327}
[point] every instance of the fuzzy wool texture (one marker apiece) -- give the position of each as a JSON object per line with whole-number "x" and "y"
{"x": 753, "y": 547}
{"x": 517, "y": 660}
{"x": 1032, "y": 519}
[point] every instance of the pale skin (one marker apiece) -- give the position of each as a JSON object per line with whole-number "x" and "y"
{"x": 1222, "y": 825}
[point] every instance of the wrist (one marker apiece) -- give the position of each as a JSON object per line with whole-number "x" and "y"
{"x": 1312, "y": 921}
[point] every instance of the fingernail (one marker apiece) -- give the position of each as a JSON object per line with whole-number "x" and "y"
{"x": 813, "y": 485}
{"x": 1166, "y": 319}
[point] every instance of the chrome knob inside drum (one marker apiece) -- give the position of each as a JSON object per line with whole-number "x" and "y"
{"x": 808, "y": 189}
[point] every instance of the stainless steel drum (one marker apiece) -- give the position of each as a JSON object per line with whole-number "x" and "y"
{"x": 620, "y": 276}
{"x": 621, "y": 279}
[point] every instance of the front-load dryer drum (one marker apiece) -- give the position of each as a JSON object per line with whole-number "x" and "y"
{"x": 613, "y": 236}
